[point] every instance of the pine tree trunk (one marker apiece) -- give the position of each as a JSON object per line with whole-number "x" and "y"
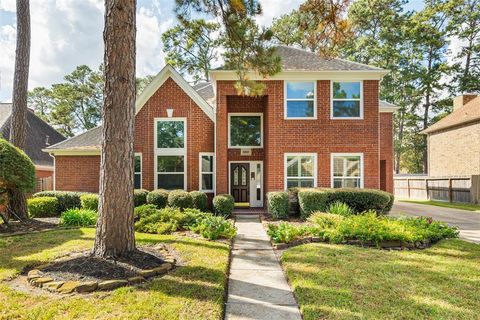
{"x": 18, "y": 124}
{"x": 115, "y": 234}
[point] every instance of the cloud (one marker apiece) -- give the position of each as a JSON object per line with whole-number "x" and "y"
{"x": 68, "y": 33}
{"x": 274, "y": 8}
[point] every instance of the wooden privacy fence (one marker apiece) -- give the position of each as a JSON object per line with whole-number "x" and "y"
{"x": 452, "y": 189}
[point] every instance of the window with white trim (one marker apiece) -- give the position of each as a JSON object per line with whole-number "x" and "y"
{"x": 300, "y": 100}
{"x": 170, "y": 153}
{"x": 207, "y": 172}
{"x": 300, "y": 170}
{"x": 347, "y": 170}
{"x": 137, "y": 180}
{"x": 245, "y": 130}
{"x": 347, "y": 100}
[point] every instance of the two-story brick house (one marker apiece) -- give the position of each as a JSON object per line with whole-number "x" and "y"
{"x": 319, "y": 123}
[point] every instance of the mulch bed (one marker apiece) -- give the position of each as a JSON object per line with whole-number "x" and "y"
{"x": 85, "y": 267}
{"x": 33, "y": 225}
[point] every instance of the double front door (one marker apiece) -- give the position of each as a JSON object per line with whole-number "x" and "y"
{"x": 246, "y": 183}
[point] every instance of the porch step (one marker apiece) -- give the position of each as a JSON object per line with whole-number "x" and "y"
{"x": 248, "y": 211}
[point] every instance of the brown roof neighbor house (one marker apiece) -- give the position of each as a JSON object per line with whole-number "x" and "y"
{"x": 454, "y": 141}
{"x": 319, "y": 123}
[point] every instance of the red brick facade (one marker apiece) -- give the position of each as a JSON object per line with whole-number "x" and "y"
{"x": 371, "y": 136}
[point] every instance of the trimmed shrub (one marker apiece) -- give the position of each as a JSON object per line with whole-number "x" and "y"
{"x": 223, "y": 205}
{"x": 311, "y": 201}
{"x": 42, "y": 207}
{"x": 180, "y": 199}
{"x": 199, "y": 200}
{"x": 89, "y": 201}
{"x": 213, "y": 227}
{"x": 16, "y": 168}
{"x": 66, "y": 199}
{"x": 79, "y": 218}
{"x": 144, "y": 211}
{"x": 277, "y": 203}
{"x": 158, "y": 197}
{"x": 139, "y": 197}
{"x": 340, "y": 208}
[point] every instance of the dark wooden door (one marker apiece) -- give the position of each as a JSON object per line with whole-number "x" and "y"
{"x": 383, "y": 175}
{"x": 240, "y": 182}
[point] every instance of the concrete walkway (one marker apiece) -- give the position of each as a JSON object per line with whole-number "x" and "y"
{"x": 257, "y": 287}
{"x": 468, "y": 222}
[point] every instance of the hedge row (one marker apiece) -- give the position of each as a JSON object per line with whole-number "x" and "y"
{"x": 305, "y": 201}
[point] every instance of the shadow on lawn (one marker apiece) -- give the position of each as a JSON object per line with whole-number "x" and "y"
{"x": 352, "y": 283}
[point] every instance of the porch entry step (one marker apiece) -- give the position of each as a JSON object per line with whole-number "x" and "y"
{"x": 257, "y": 287}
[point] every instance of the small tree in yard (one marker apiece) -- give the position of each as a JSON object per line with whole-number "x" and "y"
{"x": 17, "y": 172}
{"x": 115, "y": 235}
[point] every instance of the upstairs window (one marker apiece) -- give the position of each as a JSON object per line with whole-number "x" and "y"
{"x": 347, "y": 170}
{"x": 245, "y": 130}
{"x": 171, "y": 134}
{"x": 300, "y": 100}
{"x": 347, "y": 100}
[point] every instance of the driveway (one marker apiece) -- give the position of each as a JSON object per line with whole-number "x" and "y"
{"x": 468, "y": 222}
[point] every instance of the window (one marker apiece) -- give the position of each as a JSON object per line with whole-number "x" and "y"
{"x": 347, "y": 100}
{"x": 300, "y": 100}
{"x": 170, "y": 153}
{"x": 137, "y": 180}
{"x": 300, "y": 170}
{"x": 245, "y": 130}
{"x": 207, "y": 172}
{"x": 347, "y": 170}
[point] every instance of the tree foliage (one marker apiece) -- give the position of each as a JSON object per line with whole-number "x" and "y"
{"x": 192, "y": 47}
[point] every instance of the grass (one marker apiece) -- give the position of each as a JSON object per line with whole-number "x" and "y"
{"x": 453, "y": 205}
{"x": 349, "y": 282}
{"x": 193, "y": 291}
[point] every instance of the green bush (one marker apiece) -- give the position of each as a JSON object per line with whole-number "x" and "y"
{"x": 89, "y": 201}
{"x": 180, "y": 199}
{"x": 215, "y": 227}
{"x": 285, "y": 232}
{"x": 66, "y": 199}
{"x": 199, "y": 200}
{"x": 311, "y": 201}
{"x": 79, "y": 218}
{"x": 325, "y": 220}
{"x": 161, "y": 221}
{"x": 193, "y": 217}
{"x": 139, "y": 197}
{"x": 144, "y": 211}
{"x": 340, "y": 208}
{"x": 277, "y": 203}
{"x": 158, "y": 197}
{"x": 223, "y": 205}
{"x": 17, "y": 171}
{"x": 42, "y": 207}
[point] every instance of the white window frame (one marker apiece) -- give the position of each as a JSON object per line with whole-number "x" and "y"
{"x": 332, "y": 117}
{"x": 201, "y": 172}
{"x": 286, "y": 99}
{"x": 299, "y": 154}
{"x": 362, "y": 173}
{"x": 246, "y": 114}
{"x": 139, "y": 154}
{"x": 170, "y": 151}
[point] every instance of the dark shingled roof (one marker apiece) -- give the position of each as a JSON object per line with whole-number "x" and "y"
{"x": 40, "y": 135}
{"x": 205, "y": 90}
{"x": 91, "y": 139}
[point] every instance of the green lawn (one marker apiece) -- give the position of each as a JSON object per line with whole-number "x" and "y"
{"x": 349, "y": 282}
{"x": 454, "y": 205}
{"x": 193, "y": 291}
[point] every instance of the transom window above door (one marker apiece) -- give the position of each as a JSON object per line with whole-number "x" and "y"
{"x": 300, "y": 170}
{"x": 347, "y": 170}
{"x": 245, "y": 130}
{"x": 347, "y": 100}
{"x": 300, "y": 100}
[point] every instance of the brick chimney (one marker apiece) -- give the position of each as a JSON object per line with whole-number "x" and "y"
{"x": 462, "y": 100}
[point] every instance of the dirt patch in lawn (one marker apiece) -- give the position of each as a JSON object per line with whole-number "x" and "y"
{"x": 32, "y": 225}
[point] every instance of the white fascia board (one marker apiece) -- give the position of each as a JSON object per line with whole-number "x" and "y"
{"x": 218, "y": 75}
{"x": 73, "y": 152}
{"x": 169, "y": 72}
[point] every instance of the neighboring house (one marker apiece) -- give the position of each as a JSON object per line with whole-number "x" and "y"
{"x": 319, "y": 123}
{"x": 454, "y": 141}
{"x": 40, "y": 135}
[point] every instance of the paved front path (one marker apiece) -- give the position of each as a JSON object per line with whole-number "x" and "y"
{"x": 468, "y": 222}
{"x": 257, "y": 287}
